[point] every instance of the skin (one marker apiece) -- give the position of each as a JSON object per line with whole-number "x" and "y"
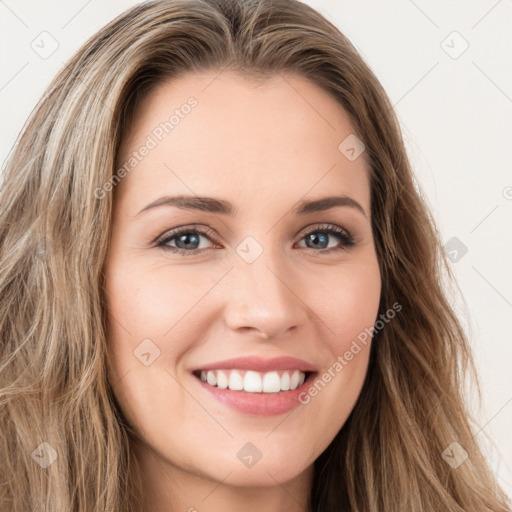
{"x": 264, "y": 148}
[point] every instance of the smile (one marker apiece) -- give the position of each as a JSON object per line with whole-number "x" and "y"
{"x": 256, "y": 385}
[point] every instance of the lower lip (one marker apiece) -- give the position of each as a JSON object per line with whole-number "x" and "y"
{"x": 258, "y": 404}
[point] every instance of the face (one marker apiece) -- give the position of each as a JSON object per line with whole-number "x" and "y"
{"x": 251, "y": 293}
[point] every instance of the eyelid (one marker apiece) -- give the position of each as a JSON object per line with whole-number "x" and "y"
{"x": 324, "y": 227}
{"x": 203, "y": 230}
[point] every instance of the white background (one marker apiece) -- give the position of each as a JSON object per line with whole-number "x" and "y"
{"x": 456, "y": 116}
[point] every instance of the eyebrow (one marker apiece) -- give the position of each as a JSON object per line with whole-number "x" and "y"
{"x": 221, "y": 206}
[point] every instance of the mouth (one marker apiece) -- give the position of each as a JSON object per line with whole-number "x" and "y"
{"x": 256, "y": 386}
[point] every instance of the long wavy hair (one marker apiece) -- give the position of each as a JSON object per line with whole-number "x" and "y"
{"x": 54, "y": 239}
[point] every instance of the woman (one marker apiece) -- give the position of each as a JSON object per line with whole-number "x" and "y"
{"x": 263, "y": 371}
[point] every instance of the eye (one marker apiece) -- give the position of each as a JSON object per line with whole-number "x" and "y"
{"x": 188, "y": 239}
{"x": 317, "y": 236}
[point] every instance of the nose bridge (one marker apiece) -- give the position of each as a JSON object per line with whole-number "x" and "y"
{"x": 261, "y": 292}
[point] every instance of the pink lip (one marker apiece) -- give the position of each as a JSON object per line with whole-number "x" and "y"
{"x": 260, "y": 364}
{"x": 259, "y": 404}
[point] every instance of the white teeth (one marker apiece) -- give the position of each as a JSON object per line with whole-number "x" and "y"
{"x": 236, "y": 383}
{"x": 222, "y": 380}
{"x": 254, "y": 382}
{"x": 294, "y": 380}
{"x": 211, "y": 379}
{"x": 285, "y": 381}
{"x": 271, "y": 382}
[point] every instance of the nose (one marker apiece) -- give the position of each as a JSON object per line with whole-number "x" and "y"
{"x": 264, "y": 299}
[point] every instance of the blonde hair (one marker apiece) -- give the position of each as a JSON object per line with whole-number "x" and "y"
{"x": 54, "y": 238}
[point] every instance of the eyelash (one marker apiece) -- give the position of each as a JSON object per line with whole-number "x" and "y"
{"x": 347, "y": 240}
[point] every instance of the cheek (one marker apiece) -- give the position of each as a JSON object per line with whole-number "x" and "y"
{"x": 349, "y": 302}
{"x": 147, "y": 302}
{"x": 135, "y": 312}
{"x": 143, "y": 305}
{"x": 150, "y": 309}
{"x": 348, "y": 305}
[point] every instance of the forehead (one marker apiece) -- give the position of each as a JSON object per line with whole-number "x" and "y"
{"x": 250, "y": 139}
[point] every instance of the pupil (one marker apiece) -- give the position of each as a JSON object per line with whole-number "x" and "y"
{"x": 315, "y": 238}
{"x": 183, "y": 238}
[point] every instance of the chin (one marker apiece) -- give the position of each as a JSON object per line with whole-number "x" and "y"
{"x": 263, "y": 475}
{"x": 273, "y": 467}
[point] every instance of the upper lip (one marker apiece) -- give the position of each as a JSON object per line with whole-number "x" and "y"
{"x": 260, "y": 364}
